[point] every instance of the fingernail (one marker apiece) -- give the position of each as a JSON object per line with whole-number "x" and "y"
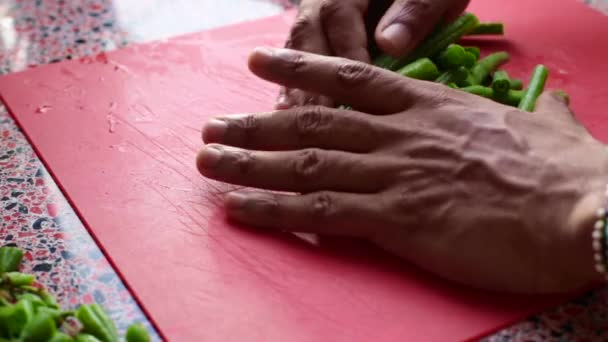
{"x": 214, "y": 130}
{"x": 209, "y": 157}
{"x": 235, "y": 200}
{"x": 398, "y": 35}
{"x": 263, "y": 51}
{"x": 282, "y": 102}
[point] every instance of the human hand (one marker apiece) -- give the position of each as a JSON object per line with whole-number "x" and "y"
{"x": 472, "y": 190}
{"x": 342, "y": 27}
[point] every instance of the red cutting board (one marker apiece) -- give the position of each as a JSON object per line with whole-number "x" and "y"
{"x": 120, "y": 131}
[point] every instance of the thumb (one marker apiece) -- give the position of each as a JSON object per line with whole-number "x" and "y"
{"x": 555, "y": 103}
{"x": 406, "y": 23}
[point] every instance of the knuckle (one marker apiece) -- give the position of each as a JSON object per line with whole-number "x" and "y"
{"x": 307, "y": 165}
{"x": 322, "y": 206}
{"x": 247, "y": 125}
{"x": 329, "y": 8}
{"x": 309, "y": 121}
{"x": 414, "y": 10}
{"x": 300, "y": 31}
{"x": 266, "y": 205}
{"x": 243, "y": 161}
{"x": 356, "y": 73}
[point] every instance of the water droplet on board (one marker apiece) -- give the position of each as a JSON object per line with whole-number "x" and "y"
{"x": 42, "y": 109}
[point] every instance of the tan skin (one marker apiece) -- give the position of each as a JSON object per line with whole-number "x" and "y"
{"x": 338, "y": 28}
{"x": 474, "y": 191}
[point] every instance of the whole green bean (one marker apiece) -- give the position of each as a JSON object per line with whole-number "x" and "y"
{"x": 487, "y": 65}
{"x": 10, "y": 259}
{"x": 137, "y": 333}
{"x": 535, "y": 88}
{"x": 422, "y": 69}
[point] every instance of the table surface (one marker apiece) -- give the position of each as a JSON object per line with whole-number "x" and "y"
{"x": 35, "y": 215}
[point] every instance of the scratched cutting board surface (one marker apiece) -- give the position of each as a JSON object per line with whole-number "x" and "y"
{"x": 119, "y": 133}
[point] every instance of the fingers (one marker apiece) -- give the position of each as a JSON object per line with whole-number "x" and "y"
{"x": 297, "y": 128}
{"x": 406, "y": 23}
{"x": 298, "y": 171}
{"x": 344, "y": 26}
{"x": 306, "y": 34}
{"x": 555, "y": 104}
{"x": 365, "y": 87}
{"x": 326, "y": 213}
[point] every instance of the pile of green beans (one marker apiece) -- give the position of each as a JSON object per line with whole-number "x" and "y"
{"x": 441, "y": 59}
{"x": 28, "y": 313}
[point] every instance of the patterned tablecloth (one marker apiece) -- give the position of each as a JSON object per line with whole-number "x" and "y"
{"x": 34, "y": 214}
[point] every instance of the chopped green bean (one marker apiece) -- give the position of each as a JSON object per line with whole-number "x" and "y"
{"x": 137, "y": 333}
{"x": 517, "y": 84}
{"x": 511, "y": 98}
{"x": 488, "y": 29}
{"x": 458, "y": 76}
{"x": 474, "y": 50}
{"x": 18, "y": 279}
{"x": 422, "y": 69}
{"x": 437, "y": 41}
{"x": 452, "y": 57}
{"x": 535, "y": 88}
{"x": 469, "y": 60}
{"x": 61, "y": 337}
{"x": 487, "y": 65}
{"x": 40, "y": 328}
{"x": 10, "y": 259}
{"x": 501, "y": 82}
{"x": 97, "y": 323}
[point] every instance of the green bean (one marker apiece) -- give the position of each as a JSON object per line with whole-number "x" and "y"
{"x": 97, "y": 323}
{"x": 137, "y": 333}
{"x": 487, "y": 29}
{"x": 474, "y": 50}
{"x": 10, "y": 259}
{"x": 437, "y": 41}
{"x": 535, "y": 88}
{"x": 453, "y": 85}
{"x": 87, "y": 338}
{"x": 452, "y": 57}
{"x": 18, "y": 279}
{"x": 511, "y": 98}
{"x": 40, "y": 328}
{"x": 35, "y": 300}
{"x": 422, "y": 69}
{"x": 458, "y": 76}
{"x": 469, "y": 60}
{"x": 61, "y": 337}
{"x": 501, "y": 82}
{"x": 517, "y": 84}
{"x": 488, "y": 65}
{"x": 48, "y": 299}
